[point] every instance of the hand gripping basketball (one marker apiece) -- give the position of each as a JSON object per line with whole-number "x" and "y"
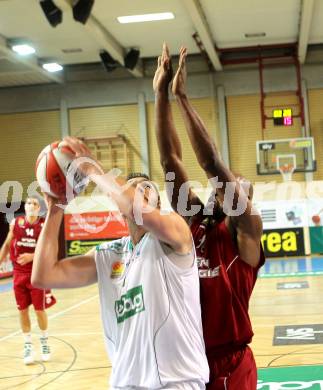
{"x": 56, "y": 173}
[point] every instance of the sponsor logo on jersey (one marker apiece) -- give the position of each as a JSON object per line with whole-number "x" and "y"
{"x": 27, "y": 242}
{"x": 204, "y": 268}
{"x": 209, "y": 272}
{"x": 129, "y": 304}
{"x": 117, "y": 269}
{"x": 202, "y": 262}
{"x": 200, "y": 238}
{"x": 116, "y": 247}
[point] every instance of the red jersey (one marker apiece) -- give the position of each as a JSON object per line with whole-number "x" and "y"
{"x": 25, "y": 236}
{"x": 226, "y": 284}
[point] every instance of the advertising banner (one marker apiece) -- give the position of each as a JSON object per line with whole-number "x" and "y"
{"x": 6, "y": 269}
{"x": 86, "y": 230}
{"x": 298, "y": 334}
{"x": 315, "y": 212}
{"x": 280, "y": 378}
{"x": 283, "y": 213}
{"x": 316, "y": 238}
{"x": 80, "y": 247}
{"x": 95, "y": 225}
{"x": 283, "y": 242}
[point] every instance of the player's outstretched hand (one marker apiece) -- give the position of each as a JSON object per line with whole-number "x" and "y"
{"x": 84, "y": 159}
{"x": 78, "y": 147}
{"x": 179, "y": 82}
{"x": 164, "y": 72}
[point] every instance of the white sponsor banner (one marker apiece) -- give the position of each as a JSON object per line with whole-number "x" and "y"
{"x": 6, "y": 269}
{"x": 283, "y": 213}
{"x": 315, "y": 212}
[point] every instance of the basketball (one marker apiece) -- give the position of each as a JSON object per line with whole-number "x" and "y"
{"x": 316, "y": 219}
{"x": 53, "y": 174}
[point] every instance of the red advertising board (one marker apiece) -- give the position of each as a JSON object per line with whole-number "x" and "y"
{"x": 95, "y": 225}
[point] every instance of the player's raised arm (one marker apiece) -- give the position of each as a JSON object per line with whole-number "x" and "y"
{"x": 5, "y": 249}
{"x": 133, "y": 200}
{"x": 248, "y": 226}
{"x": 48, "y": 271}
{"x": 204, "y": 147}
{"x": 167, "y": 138}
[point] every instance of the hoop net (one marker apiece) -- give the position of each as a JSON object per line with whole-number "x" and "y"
{"x": 287, "y": 171}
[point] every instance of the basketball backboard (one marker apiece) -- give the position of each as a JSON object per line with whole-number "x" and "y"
{"x": 273, "y": 156}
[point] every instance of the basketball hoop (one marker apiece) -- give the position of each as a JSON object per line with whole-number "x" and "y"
{"x": 286, "y": 165}
{"x": 271, "y": 154}
{"x": 287, "y": 171}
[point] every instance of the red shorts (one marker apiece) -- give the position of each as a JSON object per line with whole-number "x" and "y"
{"x": 26, "y": 294}
{"x": 235, "y": 371}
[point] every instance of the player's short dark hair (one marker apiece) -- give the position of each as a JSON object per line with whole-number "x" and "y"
{"x": 33, "y": 197}
{"x": 135, "y": 175}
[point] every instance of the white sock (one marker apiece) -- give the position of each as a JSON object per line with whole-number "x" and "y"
{"x": 27, "y": 337}
{"x": 44, "y": 334}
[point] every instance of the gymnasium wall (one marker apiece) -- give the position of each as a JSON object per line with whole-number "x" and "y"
{"x": 106, "y": 121}
{"x": 109, "y": 121}
{"x": 207, "y": 108}
{"x": 97, "y": 107}
{"x": 35, "y": 130}
{"x": 23, "y": 136}
{"x": 244, "y": 129}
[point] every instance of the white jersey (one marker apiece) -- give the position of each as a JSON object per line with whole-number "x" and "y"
{"x": 151, "y": 317}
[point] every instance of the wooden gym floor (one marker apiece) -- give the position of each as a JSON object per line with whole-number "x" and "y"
{"x": 79, "y": 360}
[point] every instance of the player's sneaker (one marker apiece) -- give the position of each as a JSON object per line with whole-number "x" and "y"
{"x": 28, "y": 353}
{"x": 44, "y": 349}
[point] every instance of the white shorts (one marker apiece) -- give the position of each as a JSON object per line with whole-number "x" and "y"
{"x": 189, "y": 385}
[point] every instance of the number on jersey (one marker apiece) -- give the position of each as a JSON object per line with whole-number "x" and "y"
{"x": 30, "y": 232}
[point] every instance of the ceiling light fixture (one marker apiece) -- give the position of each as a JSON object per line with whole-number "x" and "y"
{"x": 23, "y": 49}
{"x": 145, "y": 17}
{"x": 72, "y": 50}
{"x": 52, "y": 67}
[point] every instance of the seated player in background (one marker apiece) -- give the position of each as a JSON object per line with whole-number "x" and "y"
{"x": 20, "y": 243}
{"x": 228, "y": 246}
{"x": 148, "y": 286}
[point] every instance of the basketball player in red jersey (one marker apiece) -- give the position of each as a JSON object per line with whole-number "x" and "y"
{"x": 21, "y": 242}
{"x": 228, "y": 247}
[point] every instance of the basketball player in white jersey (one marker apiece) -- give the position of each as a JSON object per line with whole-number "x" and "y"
{"x": 148, "y": 286}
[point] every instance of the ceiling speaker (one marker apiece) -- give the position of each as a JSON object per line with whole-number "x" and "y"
{"x": 53, "y": 14}
{"x": 108, "y": 62}
{"x": 131, "y": 59}
{"x": 82, "y": 10}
